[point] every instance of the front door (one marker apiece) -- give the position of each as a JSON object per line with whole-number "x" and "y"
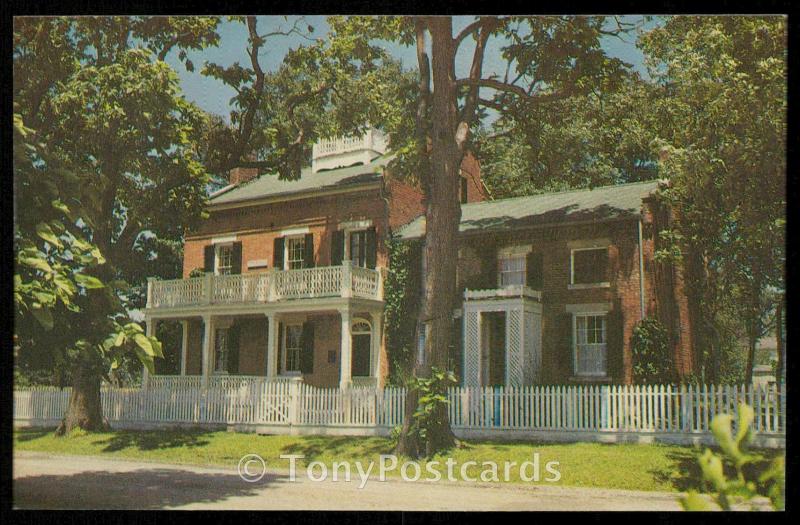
{"x": 493, "y": 351}
{"x": 361, "y": 351}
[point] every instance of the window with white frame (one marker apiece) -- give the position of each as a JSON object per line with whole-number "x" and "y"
{"x": 221, "y": 351}
{"x": 295, "y": 252}
{"x": 224, "y": 259}
{"x": 292, "y": 344}
{"x": 512, "y": 269}
{"x": 589, "y": 265}
{"x": 590, "y": 344}
{"x": 357, "y": 247}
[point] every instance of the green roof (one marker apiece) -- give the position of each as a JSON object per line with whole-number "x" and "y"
{"x": 268, "y": 185}
{"x": 598, "y": 204}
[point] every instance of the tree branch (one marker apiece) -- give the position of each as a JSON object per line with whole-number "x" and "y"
{"x": 424, "y": 89}
{"x": 471, "y": 28}
{"x": 475, "y": 71}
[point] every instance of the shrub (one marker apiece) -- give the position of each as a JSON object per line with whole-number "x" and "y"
{"x": 652, "y": 362}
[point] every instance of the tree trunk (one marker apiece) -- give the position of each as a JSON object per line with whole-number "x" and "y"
{"x": 442, "y": 216}
{"x": 751, "y": 357}
{"x": 84, "y": 410}
{"x": 779, "y": 342}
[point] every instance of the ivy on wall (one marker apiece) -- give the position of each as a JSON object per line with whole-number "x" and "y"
{"x": 402, "y": 296}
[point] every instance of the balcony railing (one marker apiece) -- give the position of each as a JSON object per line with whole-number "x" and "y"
{"x": 504, "y": 292}
{"x": 265, "y": 287}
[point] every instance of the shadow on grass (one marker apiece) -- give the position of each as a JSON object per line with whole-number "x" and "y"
{"x": 683, "y": 474}
{"x": 155, "y": 440}
{"x": 29, "y": 434}
{"x": 314, "y": 447}
{"x": 144, "y": 489}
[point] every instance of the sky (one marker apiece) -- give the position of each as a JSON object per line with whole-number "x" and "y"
{"x": 213, "y": 97}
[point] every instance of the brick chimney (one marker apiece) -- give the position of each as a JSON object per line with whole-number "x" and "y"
{"x": 241, "y": 175}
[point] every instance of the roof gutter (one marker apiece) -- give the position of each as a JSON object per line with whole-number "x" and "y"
{"x": 289, "y": 196}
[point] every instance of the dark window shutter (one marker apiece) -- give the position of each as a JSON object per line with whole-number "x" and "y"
{"x": 464, "y": 192}
{"x": 566, "y": 351}
{"x": 280, "y": 345}
{"x": 534, "y": 271}
{"x": 372, "y": 248}
{"x": 277, "y": 253}
{"x": 233, "y": 349}
{"x": 307, "y": 354}
{"x": 236, "y": 258}
{"x": 337, "y": 247}
{"x": 208, "y": 258}
{"x": 490, "y": 270}
{"x": 308, "y": 246}
{"x": 614, "y": 342}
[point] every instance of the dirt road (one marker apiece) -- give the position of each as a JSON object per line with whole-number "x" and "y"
{"x": 84, "y": 482}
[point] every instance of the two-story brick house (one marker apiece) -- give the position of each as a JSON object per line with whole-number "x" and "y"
{"x": 552, "y": 286}
{"x": 285, "y": 278}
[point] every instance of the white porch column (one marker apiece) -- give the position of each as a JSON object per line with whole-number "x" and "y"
{"x": 208, "y": 344}
{"x": 472, "y": 347}
{"x": 184, "y": 345}
{"x": 272, "y": 347}
{"x": 377, "y": 335}
{"x": 345, "y": 363}
{"x": 149, "y": 330}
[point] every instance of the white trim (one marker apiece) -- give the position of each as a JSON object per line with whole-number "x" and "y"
{"x": 290, "y": 232}
{"x": 224, "y": 239}
{"x": 588, "y": 244}
{"x": 588, "y": 308}
{"x": 355, "y": 225}
{"x": 258, "y": 263}
{"x": 586, "y": 286}
{"x": 515, "y": 250}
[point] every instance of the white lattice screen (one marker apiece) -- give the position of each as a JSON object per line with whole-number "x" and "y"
{"x": 514, "y": 355}
{"x": 472, "y": 348}
{"x": 533, "y": 347}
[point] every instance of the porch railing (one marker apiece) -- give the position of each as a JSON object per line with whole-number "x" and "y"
{"x": 269, "y": 286}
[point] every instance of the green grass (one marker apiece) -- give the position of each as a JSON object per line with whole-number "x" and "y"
{"x": 618, "y": 466}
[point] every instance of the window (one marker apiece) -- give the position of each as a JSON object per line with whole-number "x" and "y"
{"x": 295, "y": 253}
{"x": 589, "y": 266}
{"x": 293, "y": 343}
{"x": 512, "y": 270}
{"x": 358, "y": 248}
{"x": 590, "y": 344}
{"x": 224, "y": 259}
{"x": 221, "y": 350}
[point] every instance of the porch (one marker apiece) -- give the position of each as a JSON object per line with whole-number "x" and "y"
{"x": 322, "y": 345}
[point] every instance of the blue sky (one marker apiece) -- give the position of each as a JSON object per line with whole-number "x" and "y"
{"x": 213, "y": 96}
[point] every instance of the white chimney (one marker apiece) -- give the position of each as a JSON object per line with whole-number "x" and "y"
{"x": 347, "y": 151}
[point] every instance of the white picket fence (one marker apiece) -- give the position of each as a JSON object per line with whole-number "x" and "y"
{"x": 682, "y": 410}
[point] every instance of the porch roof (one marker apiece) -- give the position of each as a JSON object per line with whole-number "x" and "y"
{"x": 598, "y": 204}
{"x": 268, "y": 184}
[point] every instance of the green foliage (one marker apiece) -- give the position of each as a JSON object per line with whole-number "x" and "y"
{"x": 721, "y": 134}
{"x": 737, "y": 475}
{"x": 402, "y": 290}
{"x": 432, "y": 401}
{"x": 107, "y": 179}
{"x": 652, "y": 359}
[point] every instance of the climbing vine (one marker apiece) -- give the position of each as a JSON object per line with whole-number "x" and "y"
{"x": 401, "y": 296}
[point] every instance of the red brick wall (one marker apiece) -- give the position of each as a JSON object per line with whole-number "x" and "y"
{"x": 475, "y": 270}
{"x": 471, "y": 169}
{"x": 257, "y": 226}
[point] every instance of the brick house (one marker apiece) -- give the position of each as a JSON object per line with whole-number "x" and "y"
{"x": 285, "y": 278}
{"x": 552, "y": 286}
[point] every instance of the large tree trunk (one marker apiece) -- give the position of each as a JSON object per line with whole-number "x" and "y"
{"x": 84, "y": 410}
{"x": 442, "y": 215}
{"x": 751, "y": 357}
{"x": 779, "y": 343}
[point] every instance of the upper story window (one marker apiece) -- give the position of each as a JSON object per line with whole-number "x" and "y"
{"x": 589, "y": 266}
{"x": 295, "y": 252}
{"x": 512, "y": 270}
{"x": 358, "y": 248}
{"x": 590, "y": 344}
{"x": 224, "y": 259}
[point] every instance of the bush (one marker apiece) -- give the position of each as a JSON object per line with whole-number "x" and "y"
{"x": 652, "y": 359}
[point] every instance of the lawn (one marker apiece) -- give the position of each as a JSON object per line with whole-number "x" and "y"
{"x": 623, "y": 466}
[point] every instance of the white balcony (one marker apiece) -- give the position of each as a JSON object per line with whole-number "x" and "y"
{"x": 266, "y": 287}
{"x": 504, "y": 292}
{"x": 346, "y": 151}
